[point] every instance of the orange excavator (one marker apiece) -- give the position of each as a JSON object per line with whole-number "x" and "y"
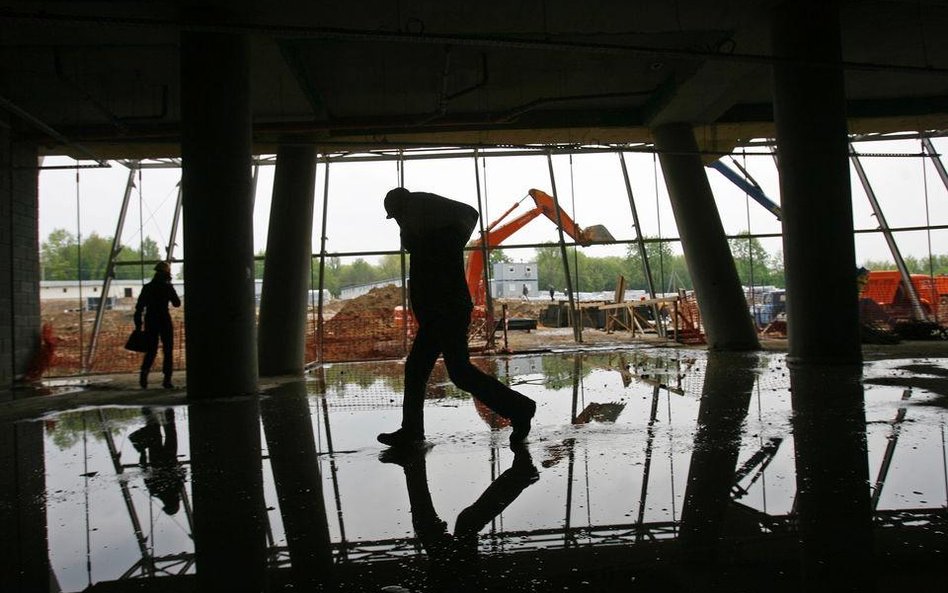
{"x": 495, "y": 235}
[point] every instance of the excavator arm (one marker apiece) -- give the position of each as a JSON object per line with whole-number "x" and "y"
{"x": 495, "y": 235}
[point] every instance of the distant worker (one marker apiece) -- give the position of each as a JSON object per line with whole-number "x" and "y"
{"x": 434, "y": 231}
{"x": 525, "y": 292}
{"x": 153, "y": 302}
{"x": 552, "y": 293}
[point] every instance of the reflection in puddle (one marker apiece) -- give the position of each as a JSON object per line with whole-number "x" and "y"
{"x": 660, "y": 467}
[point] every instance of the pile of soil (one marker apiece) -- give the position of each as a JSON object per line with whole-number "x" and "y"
{"x": 521, "y": 308}
{"x": 380, "y": 297}
{"x": 366, "y": 327}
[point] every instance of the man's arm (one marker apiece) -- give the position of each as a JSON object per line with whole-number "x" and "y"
{"x": 428, "y": 214}
{"x": 140, "y": 307}
{"x": 175, "y": 300}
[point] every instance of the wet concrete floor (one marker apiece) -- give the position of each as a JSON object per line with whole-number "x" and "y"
{"x": 647, "y": 470}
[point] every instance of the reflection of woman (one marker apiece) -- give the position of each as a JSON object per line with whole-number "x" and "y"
{"x": 164, "y": 477}
{"x": 153, "y": 302}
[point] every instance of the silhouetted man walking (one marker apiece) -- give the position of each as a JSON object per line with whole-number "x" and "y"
{"x": 434, "y": 231}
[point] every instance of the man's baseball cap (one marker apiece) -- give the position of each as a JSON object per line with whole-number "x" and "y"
{"x": 395, "y": 201}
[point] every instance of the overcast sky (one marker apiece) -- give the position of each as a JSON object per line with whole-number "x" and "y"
{"x": 591, "y": 188}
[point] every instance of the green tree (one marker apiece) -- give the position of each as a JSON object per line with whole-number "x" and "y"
{"x": 60, "y": 257}
{"x": 754, "y": 264}
{"x": 937, "y": 264}
{"x": 497, "y": 256}
{"x": 258, "y": 262}
{"x": 669, "y": 271}
{"x": 390, "y": 266}
{"x": 359, "y": 272}
{"x": 550, "y": 267}
{"x": 149, "y": 252}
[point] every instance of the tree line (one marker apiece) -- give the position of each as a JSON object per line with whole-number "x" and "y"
{"x": 62, "y": 257}
{"x": 60, "y": 260}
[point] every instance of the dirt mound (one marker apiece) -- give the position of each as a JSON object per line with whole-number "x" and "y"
{"x": 518, "y": 308}
{"x": 366, "y": 327}
{"x": 380, "y": 297}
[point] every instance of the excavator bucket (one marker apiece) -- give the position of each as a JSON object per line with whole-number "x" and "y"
{"x": 597, "y": 233}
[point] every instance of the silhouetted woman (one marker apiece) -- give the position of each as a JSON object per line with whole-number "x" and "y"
{"x": 153, "y": 302}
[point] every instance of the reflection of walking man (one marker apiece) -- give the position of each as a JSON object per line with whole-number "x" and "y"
{"x": 451, "y": 553}
{"x": 153, "y": 302}
{"x": 434, "y": 230}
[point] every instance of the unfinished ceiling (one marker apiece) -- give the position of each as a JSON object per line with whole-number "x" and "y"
{"x": 104, "y": 76}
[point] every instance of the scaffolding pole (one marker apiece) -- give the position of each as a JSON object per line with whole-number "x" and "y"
{"x": 889, "y": 238}
{"x": 659, "y": 326}
{"x": 322, "y": 270}
{"x": 148, "y": 564}
{"x": 110, "y": 267}
{"x": 402, "y": 261}
{"x": 173, "y": 237}
{"x": 928, "y": 147}
{"x": 577, "y": 332}
{"x": 490, "y": 325}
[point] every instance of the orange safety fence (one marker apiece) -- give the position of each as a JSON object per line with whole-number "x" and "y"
{"x": 71, "y": 333}
{"x": 374, "y": 326}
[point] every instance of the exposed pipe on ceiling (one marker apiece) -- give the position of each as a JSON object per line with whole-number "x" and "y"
{"x": 46, "y": 129}
{"x": 355, "y": 35}
{"x": 120, "y": 123}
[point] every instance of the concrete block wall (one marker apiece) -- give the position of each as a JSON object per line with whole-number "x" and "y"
{"x": 19, "y": 257}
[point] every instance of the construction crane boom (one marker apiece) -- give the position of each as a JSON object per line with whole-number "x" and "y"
{"x": 494, "y": 235}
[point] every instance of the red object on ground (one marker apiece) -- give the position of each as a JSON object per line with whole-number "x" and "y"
{"x": 44, "y": 356}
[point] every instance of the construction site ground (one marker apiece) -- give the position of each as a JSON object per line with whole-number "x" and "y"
{"x": 365, "y": 328}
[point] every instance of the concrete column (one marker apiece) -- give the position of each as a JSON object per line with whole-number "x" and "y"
{"x": 6, "y": 262}
{"x": 218, "y": 215}
{"x": 230, "y": 516}
{"x": 19, "y": 257}
{"x": 283, "y": 303}
{"x": 812, "y": 148}
{"x": 724, "y": 311}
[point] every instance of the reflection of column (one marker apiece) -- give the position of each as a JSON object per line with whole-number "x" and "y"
{"x": 23, "y": 546}
{"x": 227, "y": 487}
{"x": 288, "y": 427}
{"x": 725, "y": 397}
{"x": 833, "y": 499}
